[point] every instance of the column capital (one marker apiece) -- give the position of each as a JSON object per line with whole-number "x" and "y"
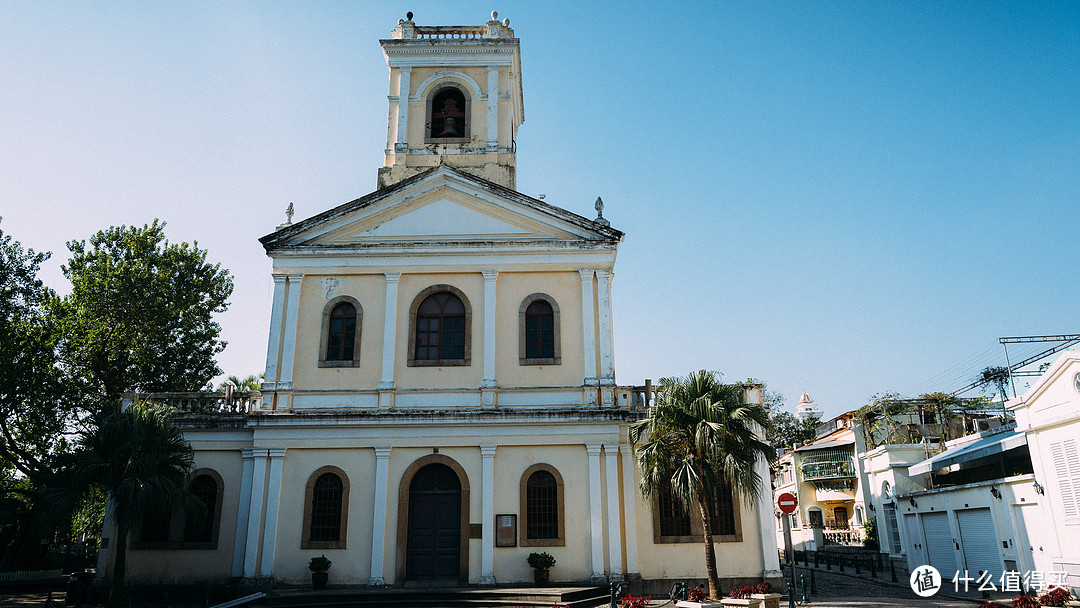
{"x": 611, "y": 448}
{"x": 392, "y": 277}
{"x": 279, "y": 278}
{"x": 603, "y": 273}
{"x": 492, "y": 68}
{"x": 382, "y": 453}
{"x": 405, "y": 69}
{"x": 586, "y": 273}
{"x": 247, "y": 453}
{"x": 489, "y": 275}
{"x": 487, "y": 451}
{"x": 593, "y": 448}
{"x": 295, "y": 276}
{"x": 277, "y": 453}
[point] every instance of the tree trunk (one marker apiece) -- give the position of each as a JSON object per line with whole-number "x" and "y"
{"x": 710, "y": 551}
{"x": 116, "y": 591}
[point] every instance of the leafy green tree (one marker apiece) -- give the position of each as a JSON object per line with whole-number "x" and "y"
{"x": 699, "y": 435}
{"x": 140, "y": 316}
{"x": 995, "y": 377}
{"x": 139, "y": 458}
{"x": 36, "y": 407}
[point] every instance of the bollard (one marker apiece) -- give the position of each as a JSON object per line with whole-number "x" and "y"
{"x": 856, "y": 561}
{"x": 791, "y": 591}
{"x": 618, "y": 587}
{"x": 813, "y": 583}
{"x": 840, "y": 562}
{"x": 873, "y": 567}
{"x": 805, "y": 596}
{"x": 828, "y": 562}
{"x": 892, "y": 569}
{"x": 817, "y": 558}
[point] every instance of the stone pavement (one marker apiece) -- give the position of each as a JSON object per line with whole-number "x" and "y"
{"x": 836, "y": 590}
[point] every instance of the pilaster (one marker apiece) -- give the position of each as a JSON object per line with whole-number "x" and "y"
{"x": 255, "y": 512}
{"x": 493, "y": 108}
{"x": 243, "y": 510}
{"x": 389, "y": 339}
{"x": 487, "y": 515}
{"x": 273, "y": 344}
{"x": 607, "y": 357}
{"x": 289, "y": 340}
{"x": 614, "y": 522}
{"x": 767, "y": 521}
{"x": 378, "y": 531}
{"x": 587, "y": 327}
{"x": 273, "y": 499}
{"x": 401, "y": 143}
{"x": 630, "y": 509}
{"x": 596, "y": 516}
{"x": 489, "y": 336}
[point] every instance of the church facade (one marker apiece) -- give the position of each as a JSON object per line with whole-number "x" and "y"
{"x": 439, "y": 397}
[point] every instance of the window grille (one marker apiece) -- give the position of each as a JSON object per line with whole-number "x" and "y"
{"x": 342, "y": 333}
{"x": 200, "y": 524}
{"x": 542, "y": 506}
{"x": 326, "y": 508}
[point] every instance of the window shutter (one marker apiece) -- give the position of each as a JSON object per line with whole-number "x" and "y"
{"x": 1066, "y": 458}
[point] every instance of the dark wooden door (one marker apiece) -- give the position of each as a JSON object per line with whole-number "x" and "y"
{"x": 434, "y": 544}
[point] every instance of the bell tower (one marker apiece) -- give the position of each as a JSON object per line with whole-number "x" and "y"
{"x": 455, "y": 99}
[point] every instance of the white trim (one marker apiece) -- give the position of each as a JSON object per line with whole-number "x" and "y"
{"x": 607, "y": 357}
{"x": 273, "y": 347}
{"x": 273, "y": 500}
{"x": 301, "y": 401}
{"x": 402, "y": 138}
{"x": 630, "y": 509}
{"x": 493, "y": 108}
{"x": 614, "y": 522}
{"x": 378, "y": 530}
{"x": 289, "y": 341}
{"x": 489, "y": 328}
{"x": 251, "y": 552}
{"x": 596, "y": 515}
{"x": 487, "y": 515}
{"x": 442, "y": 75}
{"x": 389, "y": 330}
{"x": 587, "y": 322}
{"x": 243, "y": 510}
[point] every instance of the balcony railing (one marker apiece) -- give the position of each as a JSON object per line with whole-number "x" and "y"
{"x": 226, "y": 402}
{"x": 813, "y": 471}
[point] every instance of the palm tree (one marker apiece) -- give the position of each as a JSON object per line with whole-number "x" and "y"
{"x": 698, "y": 436}
{"x": 250, "y": 383}
{"x": 140, "y": 457}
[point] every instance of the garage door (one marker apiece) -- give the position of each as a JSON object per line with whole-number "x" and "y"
{"x": 940, "y": 551}
{"x": 979, "y": 541}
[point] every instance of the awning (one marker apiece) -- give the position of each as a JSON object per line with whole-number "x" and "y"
{"x": 980, "y": 448}
{"x": 826, "y": 445}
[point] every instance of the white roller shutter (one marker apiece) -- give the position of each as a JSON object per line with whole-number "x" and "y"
{"x": 1066, "y": 459}
{"x": 940, "y": 551}
{"x": 979, "y": 541}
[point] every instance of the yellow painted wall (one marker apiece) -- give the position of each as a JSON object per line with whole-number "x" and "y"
{"x": 512, "y": 289}
{"x": 405, "y": 377}
{"x": 370, "y": 291}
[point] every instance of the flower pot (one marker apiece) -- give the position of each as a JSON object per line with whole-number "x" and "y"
{"x": 540, "y": 577}
{"x": 768, "y": 600}
{"x": 730, "y": 601}
{"x": 318, "y": 580}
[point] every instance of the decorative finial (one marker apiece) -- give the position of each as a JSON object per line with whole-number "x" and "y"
{"x": 599, "y": 206}
{"x": 289, "y": 213}
{"x": 408, "y": 16}
{"x": 506, "y": 22}
{"x": 494, "y": 15}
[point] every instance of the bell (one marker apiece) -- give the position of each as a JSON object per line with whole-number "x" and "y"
{"x": 450, "y": 128}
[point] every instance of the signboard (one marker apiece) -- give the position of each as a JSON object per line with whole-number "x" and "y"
{"x": 787, "y": 502}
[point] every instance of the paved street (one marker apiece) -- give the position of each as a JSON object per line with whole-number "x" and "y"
{"x": 848, "y": 591}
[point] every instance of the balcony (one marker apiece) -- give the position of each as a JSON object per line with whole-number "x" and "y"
{"x": 828, "y": 464}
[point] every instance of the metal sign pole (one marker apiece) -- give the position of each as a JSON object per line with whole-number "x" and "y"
{"x": 790, "y": 550}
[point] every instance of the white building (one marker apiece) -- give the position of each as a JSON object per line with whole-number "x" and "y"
{"x": 440, "y": 397}
{"x": 806, "y": 408}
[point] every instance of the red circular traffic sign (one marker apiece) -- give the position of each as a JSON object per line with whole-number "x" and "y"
{"x": 787, "y": 502}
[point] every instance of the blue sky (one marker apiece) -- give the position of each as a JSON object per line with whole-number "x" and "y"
{"x": 842, "y": 198}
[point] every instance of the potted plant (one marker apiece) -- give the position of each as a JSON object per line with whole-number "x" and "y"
{"x": 763, "y": 591}
{"x": 740, "y": 596}
{"x": 695, "y": 598}
{"x": 540, "y": 562}
{"x": 319, "y": 574}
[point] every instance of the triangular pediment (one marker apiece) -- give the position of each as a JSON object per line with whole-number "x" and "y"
{"x": 443, "y": 205}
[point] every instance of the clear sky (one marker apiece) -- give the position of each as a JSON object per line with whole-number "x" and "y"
{"x": 840, "y": 198}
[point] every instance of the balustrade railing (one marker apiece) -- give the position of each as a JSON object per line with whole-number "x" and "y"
{"x": 224, "y": 402}
{"x": 449, "y": 32}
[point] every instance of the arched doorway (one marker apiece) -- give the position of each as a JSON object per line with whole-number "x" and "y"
{"x": 433, "y": 550}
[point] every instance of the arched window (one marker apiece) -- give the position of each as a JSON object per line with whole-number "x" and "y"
{"x": 722, "y": 512}
{"x": 538, "y": 327}
{"x": 448, "y": 115}
{"x": 673, "y": 523}
{"x": 441, "y": 326}
{"x": 542, "y": 507}
{"x": 326, "y": 510}
{"x": 199, "y": 527}
{"x": 340, "y": 342}
{"x": 674, "y": 520}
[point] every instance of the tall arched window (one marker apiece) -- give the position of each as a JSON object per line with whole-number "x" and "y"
{"x": 538, "y": 327}
{"x": 542, "y": 507}
{"x": 441, "y": 324}
{"x": 339, "y": 339}
{"x": 326, "y": 510}
{"x": 339, "y": 345}
{"x": 723, "y": 512}
{"x": 448, "y": 115}
{"x": 199, "y": 527}
{"x": 674, "y": 520}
